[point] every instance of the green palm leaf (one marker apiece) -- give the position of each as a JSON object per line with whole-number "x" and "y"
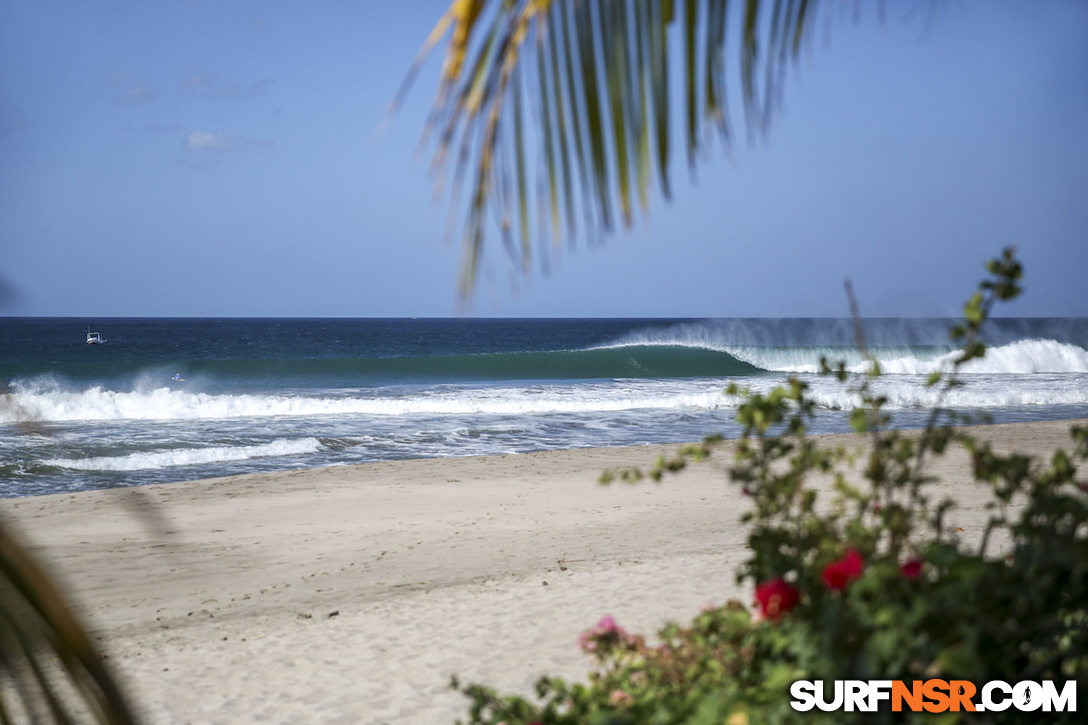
{"x": 49, "y": 668}
{"x": 602, "y": 90}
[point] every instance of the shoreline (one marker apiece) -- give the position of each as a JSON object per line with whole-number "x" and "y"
{"x": 352, "y": 593}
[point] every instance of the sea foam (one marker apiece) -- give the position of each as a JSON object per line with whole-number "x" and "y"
{"x": 187, "y": 456}
{"x": 164, "y": 404}
{"x": 903, "y": 391}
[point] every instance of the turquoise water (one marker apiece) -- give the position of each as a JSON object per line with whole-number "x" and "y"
{"x": 267, "y": 394}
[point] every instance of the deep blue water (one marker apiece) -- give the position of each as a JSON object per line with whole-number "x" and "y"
{"x": 263, "y": 394}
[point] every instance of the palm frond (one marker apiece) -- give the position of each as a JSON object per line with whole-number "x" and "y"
{"x": 49, "y": 668}
{"x": 600, "y": 140}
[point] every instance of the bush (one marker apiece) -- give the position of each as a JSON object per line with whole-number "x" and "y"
{"x": 875, "y": 585}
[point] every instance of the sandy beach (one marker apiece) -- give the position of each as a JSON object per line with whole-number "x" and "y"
{"x": 351, "y": 594}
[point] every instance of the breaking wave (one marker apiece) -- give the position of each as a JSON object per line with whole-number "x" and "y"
{"x": 1019, "y": 357}
{"x": 166, "y": 404}
{"x": 903, "y": 391}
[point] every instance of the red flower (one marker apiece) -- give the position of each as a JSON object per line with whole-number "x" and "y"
{"x": 776, "y": 597}
{"x": 838, "y": 574}
{"x": 912, "y": 569}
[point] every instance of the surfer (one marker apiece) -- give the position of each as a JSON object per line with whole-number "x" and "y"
{"x": 177, "y": 378}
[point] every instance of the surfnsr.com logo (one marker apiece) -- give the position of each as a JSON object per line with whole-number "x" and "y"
{"x": 933, "y": 696}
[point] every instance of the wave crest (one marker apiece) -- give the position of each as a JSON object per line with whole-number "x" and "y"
{"x": 1021, "y": 357}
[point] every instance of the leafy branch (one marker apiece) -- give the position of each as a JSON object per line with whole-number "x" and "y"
{"x": 872, "y": 586}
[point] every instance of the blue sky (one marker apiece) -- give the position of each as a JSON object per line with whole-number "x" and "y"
{"x": 220, "y": 158}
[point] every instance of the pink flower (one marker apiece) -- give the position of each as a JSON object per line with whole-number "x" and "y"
{"x": 776, "y": 597}
{"x": 841, "y": 572}
{"x": 619, "y": 697}
{"x": 912, "y": 569}
{"x": 606, "y": 635}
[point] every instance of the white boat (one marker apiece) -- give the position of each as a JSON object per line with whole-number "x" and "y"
{"x": 94, "y": 338}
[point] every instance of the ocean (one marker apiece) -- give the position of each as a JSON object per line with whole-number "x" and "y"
{"x": 274, "y": 394}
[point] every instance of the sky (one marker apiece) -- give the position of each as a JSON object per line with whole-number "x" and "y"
{"x": 189, "y": 158}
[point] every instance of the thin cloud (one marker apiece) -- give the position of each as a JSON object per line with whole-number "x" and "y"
{"x": 159, "y": 128}
{"x": 206, "y": 86}
{"x": 207, "y": 141}
{"x": 130, "y": 91}
{"x": 137, "y": 96}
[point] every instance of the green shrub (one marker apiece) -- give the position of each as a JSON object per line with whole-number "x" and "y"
{"x": 874, "y": 585}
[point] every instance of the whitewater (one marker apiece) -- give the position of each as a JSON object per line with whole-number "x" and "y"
{"x": 273, "y": 394}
